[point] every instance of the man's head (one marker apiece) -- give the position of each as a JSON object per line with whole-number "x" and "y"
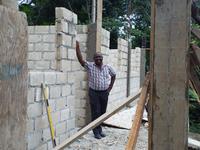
{"x": 98, "y": 58}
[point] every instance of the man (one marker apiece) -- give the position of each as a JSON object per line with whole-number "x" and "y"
{"x": 101, "y": 79}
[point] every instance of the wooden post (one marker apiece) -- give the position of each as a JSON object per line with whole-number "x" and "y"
{"x": 99, "y": 24}
{"x": 169, "y": 125}
{"x": 13, "y": 79}
{"x": 94, "y": 33}
{"x": 132, "y": 139}
{"x": 93, "y": 11}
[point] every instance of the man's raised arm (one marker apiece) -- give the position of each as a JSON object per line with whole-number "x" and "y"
{"x": 78, "y": 54}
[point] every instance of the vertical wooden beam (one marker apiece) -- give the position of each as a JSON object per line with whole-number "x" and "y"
{"x": 99, "y": 24}
{"x": 13, "y": 79}
{"x": 132, "y": 139}
{"x": 93, "y": 11}
{"x": 169, "y": 124}
{"x": 94, "y": 33}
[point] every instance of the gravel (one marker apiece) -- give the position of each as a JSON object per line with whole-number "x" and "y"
{"x": 116, "y": 139}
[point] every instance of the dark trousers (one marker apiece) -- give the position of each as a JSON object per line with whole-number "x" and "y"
{"x": 98, "y": 104}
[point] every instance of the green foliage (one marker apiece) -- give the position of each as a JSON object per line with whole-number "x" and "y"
{"x": 42, "y": 12}
{"x": 194, "y": 119}
{"x": 115, "y": 13}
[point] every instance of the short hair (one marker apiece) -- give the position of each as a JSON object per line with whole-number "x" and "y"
{"x": 98, "y": 54}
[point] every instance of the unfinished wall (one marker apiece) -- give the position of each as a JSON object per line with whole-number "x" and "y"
{"x": 52, "y": 60}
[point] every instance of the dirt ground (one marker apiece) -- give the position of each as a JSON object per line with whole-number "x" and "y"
{"x": 116, "y": 139}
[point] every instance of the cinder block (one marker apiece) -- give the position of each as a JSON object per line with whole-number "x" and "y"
{"x": 66, "y": 90}
{"x": 50, "y": 77}
{"x": 81, "y": 112}
{"x": 75, "y": 18}
{"x": 41, "y": 65}
{"x": 52, "y": 46}
{"x": 81, "y": 94}
{"x": 70, "y": 77}
{"x": 65, "y": 65}
{"x": 34, "y": 110}
{"x": 41, "y": 29}
{"x": 84, "y": 85}
{"x": 56, "y": 117}
{"x": 70, "y": 124}
{"x": 62, "y": 26}
{"x": 53, "y": 65}
{"x": 31, "y": 29}
{"x": 63, "y": 13}
{"x": 64, "y": 39}
{"x": 72, "y": 29}
{"x": 34, "y": 56}
{"x": 31, "y": 95}
{"x": 61, "y": 78}
{"x": 35, "y": 38}
{"x": 70, "y": 101}
{"x": 34, "y": 139}
{"x": 82, "y": 37}
{"x": 55, "y": 91}
{"x": 51, "y": 38}
{"x": 36, "y": 78}
{"x": 61, "y": 104}
{"x": 61, "y": 128}
{"x": 42, "y": 47}
{"x": 52, "y": 29}
{"x": 82, "y": 29}
{"x": 41, "y": 122}
{"x": 63, "y": 52}
{"x": 42, "y": 147}
{"x": 38, "y": 94}
{"x": 49, "y": 55}
{"x": 76, "y": 66}
{"x": 65, "y": 114}
{"x": 29, "y": 125}
{"x": 31, "y": 65}
{"x": 71, "y": 54}
{"x": 72, "y": 113}
{"x": 30, "y": 47}
{"x": 46, "y": 135}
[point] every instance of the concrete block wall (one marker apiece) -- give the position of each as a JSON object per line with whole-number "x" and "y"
{"x": 81, "y": 84}
{"x": 41, "y": 52}
{"x": 119, "y": 62}
{"x": 52, "y": 60}
{"x": 135, "y": 70}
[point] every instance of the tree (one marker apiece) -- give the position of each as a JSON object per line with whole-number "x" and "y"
{"x": 42, "y": 12}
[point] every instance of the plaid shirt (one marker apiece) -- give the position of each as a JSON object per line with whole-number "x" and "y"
{"x": 99, "y": 78}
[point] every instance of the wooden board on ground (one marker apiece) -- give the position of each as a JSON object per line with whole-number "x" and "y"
{"x": 124, "y": 118}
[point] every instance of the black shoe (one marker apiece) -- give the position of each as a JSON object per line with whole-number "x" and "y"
{"x": 102, "y": 134}
{"x": 97, "y": 136}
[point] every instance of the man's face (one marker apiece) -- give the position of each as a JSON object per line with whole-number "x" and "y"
{"x": 98, "y": 60}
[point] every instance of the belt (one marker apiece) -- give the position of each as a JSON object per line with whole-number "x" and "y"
{"x": 98, "y": 90}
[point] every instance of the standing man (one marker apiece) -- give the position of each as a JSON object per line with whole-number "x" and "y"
{"x": 101, "y": 79}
